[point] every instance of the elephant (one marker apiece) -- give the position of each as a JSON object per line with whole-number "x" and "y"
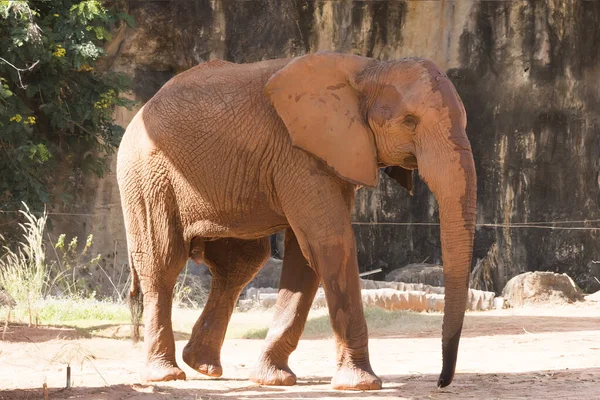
{"x": 226, "y": 154}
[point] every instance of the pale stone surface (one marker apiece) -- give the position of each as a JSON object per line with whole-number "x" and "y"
{"x": 593, "y": 296}
{"x": 538, "y": 287}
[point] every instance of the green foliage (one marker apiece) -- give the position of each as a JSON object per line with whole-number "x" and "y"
{"x": 27, "y": 276}
{"x": 381, "y": 322}
{"x": 74, "y": 311}
{"x": 56, "y": 109}
{"x": 68, "y": 273}
{"x": 260, "y": 333}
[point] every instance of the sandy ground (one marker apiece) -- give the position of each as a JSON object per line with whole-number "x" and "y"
{"x": 550, "y": 352}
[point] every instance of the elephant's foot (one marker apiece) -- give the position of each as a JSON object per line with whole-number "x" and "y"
{"x": 355, "y": 378}
{"x": 162, "y": 371}
{"x": 203, "y": 360}
{"x": 270, "y": 373}
{"x": 214, "y": 370}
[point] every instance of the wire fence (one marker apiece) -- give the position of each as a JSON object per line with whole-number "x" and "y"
{"x": 49, "y": 213}
{"x": 528, "y": 225}
{"x": 552, "y": 225}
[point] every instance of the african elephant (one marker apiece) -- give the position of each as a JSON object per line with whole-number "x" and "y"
{"x": 226, "y": 154}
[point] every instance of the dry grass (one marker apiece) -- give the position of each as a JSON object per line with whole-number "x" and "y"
{"x": 93, "y": 316}
{"x": 23, "y": 273}
{"x": 255, "y": 324}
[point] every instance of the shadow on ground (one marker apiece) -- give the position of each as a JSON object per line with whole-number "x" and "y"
{"x": 17, "y": 333}
{"x": 562, "y": 384}
{"x": 123, "y": 331}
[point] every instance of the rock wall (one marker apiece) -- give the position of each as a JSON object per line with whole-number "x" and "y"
{"x": 529, "y": 76}
{"x": 527, "y": 71}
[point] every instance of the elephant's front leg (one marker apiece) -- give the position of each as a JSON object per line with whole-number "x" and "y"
{"x": 233, "y": 263}
{"x": 318, "y": 208}
{"x": 336, "y": 262}
{"x": 297, "y": 289}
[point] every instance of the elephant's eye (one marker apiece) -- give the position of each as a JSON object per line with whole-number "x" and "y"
{"x": 411, "y": 122}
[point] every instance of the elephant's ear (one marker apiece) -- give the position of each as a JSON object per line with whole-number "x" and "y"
{"x": 402, "y": 176}
{"x": 315, "y": 97}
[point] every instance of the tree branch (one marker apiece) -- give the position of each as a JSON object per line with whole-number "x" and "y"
{"x": 19, "y": 70}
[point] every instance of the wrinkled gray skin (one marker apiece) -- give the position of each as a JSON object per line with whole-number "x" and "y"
{"x": 225, "y": 155}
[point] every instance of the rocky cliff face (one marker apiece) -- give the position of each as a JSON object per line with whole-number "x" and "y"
{"x": 528, "y": 73}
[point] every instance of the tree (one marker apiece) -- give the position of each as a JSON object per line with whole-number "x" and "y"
{"x": 56, "y": 109}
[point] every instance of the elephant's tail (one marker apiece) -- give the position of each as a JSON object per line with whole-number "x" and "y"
{"x": 136, "y": 303}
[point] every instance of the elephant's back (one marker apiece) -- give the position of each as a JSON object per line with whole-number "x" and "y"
{"x": 211, "y": 99}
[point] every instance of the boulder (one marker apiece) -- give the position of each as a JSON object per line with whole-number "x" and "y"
{"x": 541, "y": 287}
{"x": 428, "y": 274}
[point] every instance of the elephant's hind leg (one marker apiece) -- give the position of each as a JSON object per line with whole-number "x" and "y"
{"x": 233, "y": 263}
{"x": 157, "y": 253}
{"x": 297, "y": 289}
{"x": 158, "y": 330}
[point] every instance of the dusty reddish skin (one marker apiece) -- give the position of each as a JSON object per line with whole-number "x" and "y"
{"x": 224, "y": 155}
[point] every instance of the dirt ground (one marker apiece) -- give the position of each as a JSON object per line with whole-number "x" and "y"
{"x": 550, "y": 352}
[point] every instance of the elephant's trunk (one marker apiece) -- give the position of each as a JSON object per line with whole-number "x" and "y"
{"x": 450, "y": 174}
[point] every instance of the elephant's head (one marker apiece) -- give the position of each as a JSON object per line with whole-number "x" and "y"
{"x": 358, "y": 114}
